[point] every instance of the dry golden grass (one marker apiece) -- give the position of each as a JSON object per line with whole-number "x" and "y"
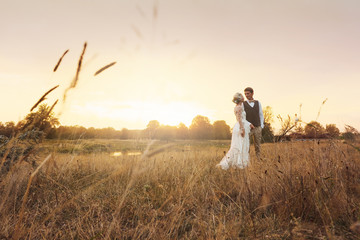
{"x": 60, "y": 60}
{"x": 76, "y": 78}
{"x": 300, "y": 190}
{"x": 104, "y": 68}
{"x": 43, "y": 97}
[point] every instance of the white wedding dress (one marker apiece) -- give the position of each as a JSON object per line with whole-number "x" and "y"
{"x": 238, "y": 155}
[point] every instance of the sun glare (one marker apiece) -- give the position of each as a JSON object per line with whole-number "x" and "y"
{"x": 171, "y": 113}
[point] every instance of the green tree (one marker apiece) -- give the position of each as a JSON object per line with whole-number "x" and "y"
{"x": 287, "y": 125}
{"x": 125, "y": 133}
{"x": 151, "y": 128}
{"x": 201, "y": 128}
{"x": 221, "y": 130}
{"x": 43, "y": 119}
{"x": 332, "y": 130}
{"x": 8, "y": 129}
{"x": 2, "y": 128}
{"x": 108, "y": 133}
{"x": 267, "y": 132}
{"x": 165, "y": 132}
{"x": 299, "y": 129}
{"x": 90, "y": 132}
{"x": 182, "y": 131}
{"x": 314, "y": 130}
{"x": 268, "y": 115}
{"x": 350, "y": 133}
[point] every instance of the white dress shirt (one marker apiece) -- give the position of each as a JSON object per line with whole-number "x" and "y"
{"x": 260, "y": 112}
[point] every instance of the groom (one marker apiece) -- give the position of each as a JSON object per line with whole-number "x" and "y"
{"x": 254, "y": 115}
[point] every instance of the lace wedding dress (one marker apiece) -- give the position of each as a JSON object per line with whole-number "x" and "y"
{"x": 238, "y": 155}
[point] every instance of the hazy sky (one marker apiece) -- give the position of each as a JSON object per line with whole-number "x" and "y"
{"x": 179, "y": 58}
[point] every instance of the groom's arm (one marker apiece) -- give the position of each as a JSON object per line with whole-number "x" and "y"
{"x": 261, "y": 116}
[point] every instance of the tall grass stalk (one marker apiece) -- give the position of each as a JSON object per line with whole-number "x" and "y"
{"x": 59, "y": 61}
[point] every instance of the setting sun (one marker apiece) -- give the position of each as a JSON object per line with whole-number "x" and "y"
{"x": 171, "y": 113}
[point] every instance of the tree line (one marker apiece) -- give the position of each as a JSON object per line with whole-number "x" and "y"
{"x": 200, "y": 128}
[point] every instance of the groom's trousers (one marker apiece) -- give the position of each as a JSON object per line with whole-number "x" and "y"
{"x": 256, "y": 134}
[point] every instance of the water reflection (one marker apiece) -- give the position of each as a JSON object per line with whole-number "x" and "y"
{"x": 118, "y": 154}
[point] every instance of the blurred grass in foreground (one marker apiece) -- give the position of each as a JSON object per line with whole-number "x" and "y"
{"x": 300, "y": 190}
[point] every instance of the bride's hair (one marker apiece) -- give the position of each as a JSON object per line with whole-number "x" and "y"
{"x": 238, "y": 97}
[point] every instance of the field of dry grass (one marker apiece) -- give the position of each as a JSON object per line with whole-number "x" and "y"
{"x": 300, "y": 190}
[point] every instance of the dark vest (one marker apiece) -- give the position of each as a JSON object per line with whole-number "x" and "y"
{"x": 252, "y": 113}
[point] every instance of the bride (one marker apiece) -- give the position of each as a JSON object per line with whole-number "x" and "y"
{"x": 238, "y": 155}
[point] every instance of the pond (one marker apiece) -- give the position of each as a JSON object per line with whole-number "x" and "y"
{"x": 118, "y": 154}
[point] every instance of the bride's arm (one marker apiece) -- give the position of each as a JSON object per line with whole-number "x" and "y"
{"x": 239, "y": 119}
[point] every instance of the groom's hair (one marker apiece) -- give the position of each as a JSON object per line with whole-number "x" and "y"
{"x": 249, "y": 89}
